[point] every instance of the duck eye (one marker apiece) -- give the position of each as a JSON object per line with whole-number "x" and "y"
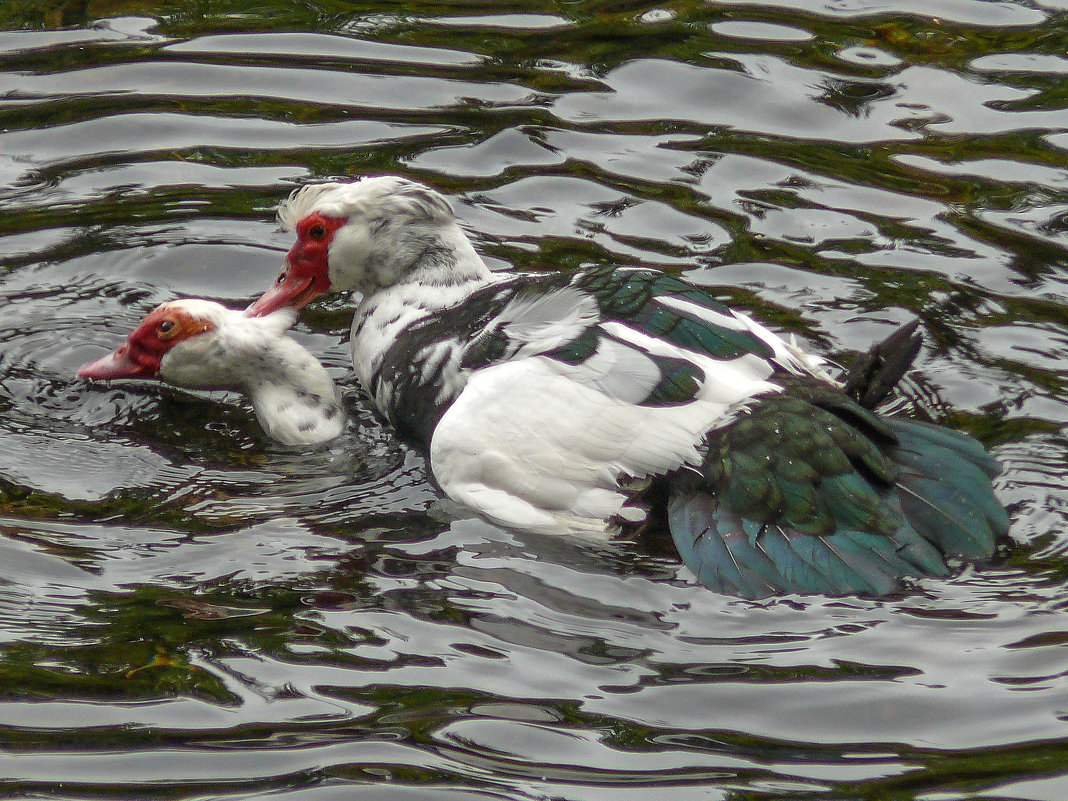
{"x": 166, "y": 326}
{"x": 317, "y": 231}
{"x": 281, "y": 277}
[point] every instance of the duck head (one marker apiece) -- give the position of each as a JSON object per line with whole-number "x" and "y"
{"x": 366, "y": 235}
{"x": 192, "y": 343}
{"x": 169, "y": 337}
{"x": 199, "y": 344}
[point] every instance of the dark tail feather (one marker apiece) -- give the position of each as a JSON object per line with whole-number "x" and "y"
{"x": 875, "y": 374}
{"x": 944, "y": 489}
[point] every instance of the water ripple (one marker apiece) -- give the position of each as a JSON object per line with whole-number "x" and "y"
{"x": 189, "y": 611}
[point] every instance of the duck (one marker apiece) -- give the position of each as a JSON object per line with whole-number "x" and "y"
{"x": 195, "y": 343}
{"x": 618, "y": 396}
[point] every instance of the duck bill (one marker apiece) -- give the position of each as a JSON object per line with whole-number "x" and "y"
{"x": 115, "y": 365}
{"x": 293, "y": 291}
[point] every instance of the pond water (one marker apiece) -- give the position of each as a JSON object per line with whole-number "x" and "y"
{"x": 187, "y": 611}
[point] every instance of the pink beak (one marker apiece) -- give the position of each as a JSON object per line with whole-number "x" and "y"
{"x": 117, "y": 364}
{"x": 292, "y": 291}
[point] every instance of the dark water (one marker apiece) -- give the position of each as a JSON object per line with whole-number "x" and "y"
{"x": 187, "y": 611}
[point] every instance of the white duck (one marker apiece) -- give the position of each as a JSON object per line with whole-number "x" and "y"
{"x": 199, "y": 344}
{"x": 552, "y": 402}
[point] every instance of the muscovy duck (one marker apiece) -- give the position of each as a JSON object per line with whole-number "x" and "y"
{"x": 199, "y": 344}
{"x": 552, "y": 402}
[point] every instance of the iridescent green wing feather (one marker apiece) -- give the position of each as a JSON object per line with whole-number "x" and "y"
{"x": 637, "y": 298}
{"x": 806, "y": 491}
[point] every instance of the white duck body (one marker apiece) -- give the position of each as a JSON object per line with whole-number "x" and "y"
{"x": 542, "y": 444}
{"x": 199, "y": 344}
{"x": 527, "y": 440}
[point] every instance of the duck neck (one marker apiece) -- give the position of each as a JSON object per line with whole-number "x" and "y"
{"x": 445, "y": 273}
{"x": 293, "y": 396}
{"x": 449, "y": 262}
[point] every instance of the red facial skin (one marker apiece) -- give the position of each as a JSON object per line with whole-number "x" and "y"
{"x": 145, "y": 348}
{"x": 305, "y": 275}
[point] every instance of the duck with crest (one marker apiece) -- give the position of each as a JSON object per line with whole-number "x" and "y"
{"x": 562, "y": 402}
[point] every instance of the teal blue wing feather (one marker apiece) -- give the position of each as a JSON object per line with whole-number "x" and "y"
{"x": 941, "y": 438}
{"x": 944, "y": 486}
{"x": 788, "y": 549}
{"x": 726, "y": 554}
{"x": 805, "y": 491}
{"x": 721, "y": 550}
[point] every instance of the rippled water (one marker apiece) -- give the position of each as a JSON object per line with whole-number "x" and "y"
{"x": 187, "y": 611}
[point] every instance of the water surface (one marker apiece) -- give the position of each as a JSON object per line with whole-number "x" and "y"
{"x": 188, "y": 611}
